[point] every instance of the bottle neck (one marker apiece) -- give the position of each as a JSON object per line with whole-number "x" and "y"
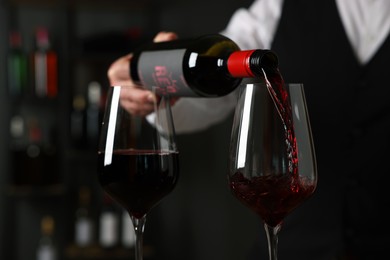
{"x": 15, "y": 40}
{"x": 250, "y": 63}
{"x": 42, "y": 39}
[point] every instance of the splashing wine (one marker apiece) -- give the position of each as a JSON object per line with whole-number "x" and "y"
{"x": 273, "y": 197}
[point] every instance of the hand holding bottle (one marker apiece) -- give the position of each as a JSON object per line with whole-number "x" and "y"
{"x": 134, "y": 98}
{"x": 207, "y": 66}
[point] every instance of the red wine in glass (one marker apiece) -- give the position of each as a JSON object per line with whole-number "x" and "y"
{"x": 138, "y": 161}
{"x": 139, "y": 179}
{"x": 272, "y": 162}
{"x": 272, "y": 197}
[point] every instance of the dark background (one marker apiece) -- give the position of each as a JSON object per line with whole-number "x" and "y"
{"x": 200, "y": 220}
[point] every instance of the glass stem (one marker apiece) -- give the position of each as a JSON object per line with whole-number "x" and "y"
{"x": 272, "y": 237}
{"x": 139, "y": 224}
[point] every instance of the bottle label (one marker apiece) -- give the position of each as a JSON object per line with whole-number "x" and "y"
{"x": 46, "y": 252}
{"x": 83, "y": 232}
{"x": 40, "y": 74}
{"x": 162, "y": 72}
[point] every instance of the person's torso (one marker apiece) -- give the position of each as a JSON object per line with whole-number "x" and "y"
{"x": 348, "y": 104}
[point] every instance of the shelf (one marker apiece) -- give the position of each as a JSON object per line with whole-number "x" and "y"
{"x": 113, "y": 4}
{"x": 52, "y": 4}
{"x": 29, "y": 99}
{"x": 98, "y": 253}
{"x": 94, "y": 4}
{"x": 28, "y": 191}
{"x": 87, "y": 35}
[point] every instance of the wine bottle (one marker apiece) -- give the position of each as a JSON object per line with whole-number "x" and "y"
{"x": 47, "y": 249}
{"x": 77, "y": 121}
{"x": 45, "y": 66}
{"x": 17, "y": 65}
{"x": 34, "y": 154}
{"x": 208, "y": 66}
{"x": 93, "y": 110}
{"x": 109, "y": 224}
{"x": 84, "y": 223}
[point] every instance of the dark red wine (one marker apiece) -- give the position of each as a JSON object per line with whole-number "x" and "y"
{"x": 272, "y": 197}
{"x": 138, "y": 180}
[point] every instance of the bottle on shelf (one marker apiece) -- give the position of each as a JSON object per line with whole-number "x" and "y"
{"x": 84, "y": 225}
{"x": 45, "y": 66}
{"x": 17, "y": 65}
{"x": 109, "y": 224}
{"x": 208, "y": 66}
{"x": 77, "y": 121}
{"x": 93, "y": 111}
{"x": 18, "y": 151}
{"x": 17, "y": 129}
{"x": 46, "y": 249}
{"x": 34, "y": 155}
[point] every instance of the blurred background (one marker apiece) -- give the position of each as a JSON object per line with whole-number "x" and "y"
{"x": 49, "y": 196}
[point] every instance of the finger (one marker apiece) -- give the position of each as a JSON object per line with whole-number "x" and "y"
{"x": 165, "y": 36}
{"x": 124, "y": 83}
{"x": 118, "y": 72}
{"x": 137, "y": 101}
{"x": 137, "y": 110}
{"x": 138, "y": 95}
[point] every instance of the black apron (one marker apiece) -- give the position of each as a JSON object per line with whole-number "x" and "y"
{"x": 349, "y": 108}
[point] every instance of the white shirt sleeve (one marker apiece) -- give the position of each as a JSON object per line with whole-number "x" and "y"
{"x": 196, "y": 114}
{"x": 254, "y": 28}
{"x": 251, "y": 28}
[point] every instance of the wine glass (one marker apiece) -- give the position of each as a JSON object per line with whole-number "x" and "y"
{"x": 272, "y": 165}
{"x": 137, "y": 159}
